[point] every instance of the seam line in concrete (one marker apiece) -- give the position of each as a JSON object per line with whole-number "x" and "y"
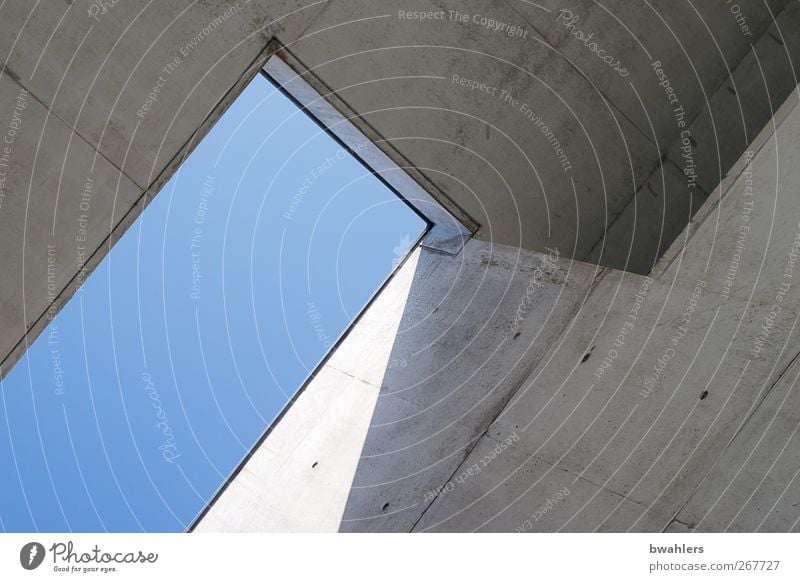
{"x": 51, "y": 112}
{"x": 618, "y": 215}
{"x": 502, "y": 406}
{"x": 529, "y": 457}
{"x": 745, "y": 424}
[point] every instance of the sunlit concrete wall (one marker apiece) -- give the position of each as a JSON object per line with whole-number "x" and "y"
{"x": 407, "y": 395}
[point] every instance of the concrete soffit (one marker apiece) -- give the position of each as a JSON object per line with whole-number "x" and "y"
{"x": 450, "y": 227}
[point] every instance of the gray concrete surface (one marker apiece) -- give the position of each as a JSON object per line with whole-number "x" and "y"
{"x": 661, "y": 404}
{"x": 536, "y": 142}
{"x": 435, "y": 358}
{"x": 668, "y": 418}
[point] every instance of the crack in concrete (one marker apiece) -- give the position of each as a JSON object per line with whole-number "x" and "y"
{"x": 745, "y": 424}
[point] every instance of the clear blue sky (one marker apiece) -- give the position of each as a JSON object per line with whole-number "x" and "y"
{"x": 158, "y": 376}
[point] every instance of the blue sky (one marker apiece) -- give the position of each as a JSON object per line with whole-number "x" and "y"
{"x": 157, "y": 377}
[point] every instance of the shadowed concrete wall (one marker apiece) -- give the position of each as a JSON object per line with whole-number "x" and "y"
{"x": 687, "y": 421}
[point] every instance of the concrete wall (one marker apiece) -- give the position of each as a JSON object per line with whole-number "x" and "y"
{"x": 681, "y": 417}
{"x": 403, "y": 400}
{"x": 625, "y": 403}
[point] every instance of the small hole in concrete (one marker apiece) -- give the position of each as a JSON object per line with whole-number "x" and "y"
{"x": 703, "y": 394}
{"x": 385, "y": 507}
{"x": 586, "y": 357}
{"x": 314, "y": 466}
{"x": 516, "y": 335}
